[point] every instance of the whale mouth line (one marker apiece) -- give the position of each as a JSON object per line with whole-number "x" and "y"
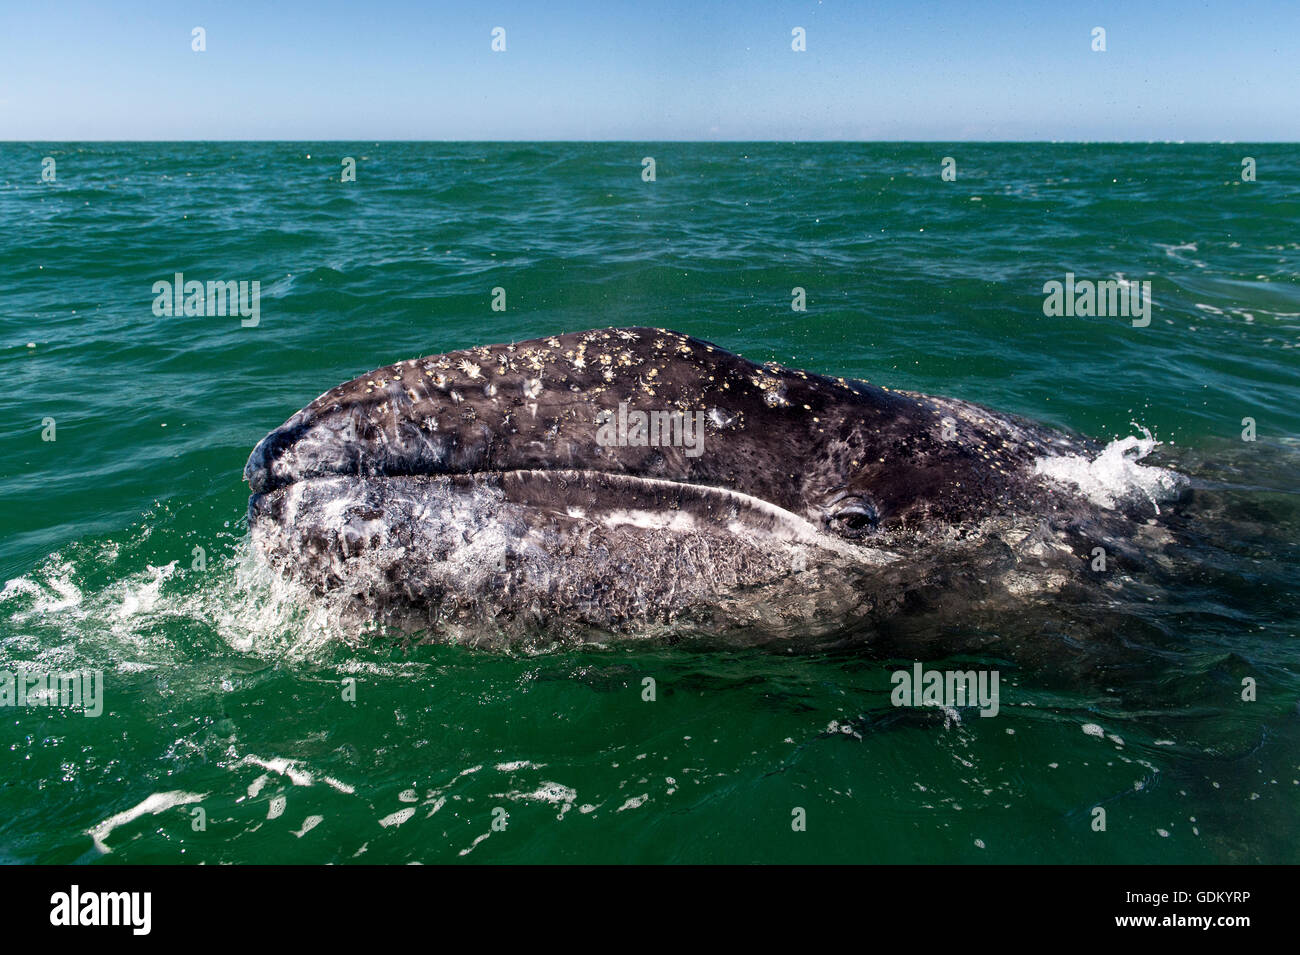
{"x": 635, "y": 491}
{"x": 632, "y": 502}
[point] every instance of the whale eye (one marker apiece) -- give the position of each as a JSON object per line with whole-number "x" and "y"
{"x": 854, "y": 517}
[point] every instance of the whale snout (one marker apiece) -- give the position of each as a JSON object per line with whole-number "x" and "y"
{"x": 326, "y": 442}
{"x": 259, "y": 470}
{"x": 256, "y": 471}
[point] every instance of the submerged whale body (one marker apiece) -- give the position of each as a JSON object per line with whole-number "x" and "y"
{"x": 637, "y": 482}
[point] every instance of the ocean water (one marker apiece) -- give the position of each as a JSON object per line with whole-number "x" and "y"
{"x": 223, "y": 695}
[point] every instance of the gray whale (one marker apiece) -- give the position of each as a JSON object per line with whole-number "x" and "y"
{"x": 472, "y": 497}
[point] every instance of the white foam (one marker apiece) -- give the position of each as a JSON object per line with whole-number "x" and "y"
{"x": 1174, "y": 252}
{"x": 556, "y": 794}
{"x": 1114, "y": 475}
{"x": 127, "y": 620}
{"x": 397, "y": 818}
{"x": 308, "y": 824}
{"x": 285, "y": 767}
{"x": 57, "y": 578}
{"x": 155, "y": 804}
{"x": 142, "y": 599}
{"x": 634, "y": 802}
{"x": 474, "y": 845}
{"x": 277, "y": 807}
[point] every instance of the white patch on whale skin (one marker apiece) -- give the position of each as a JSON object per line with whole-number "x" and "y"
{"x": 1028, "y": 584}
{"x": 675, "y": 521}
{"x": 792, "y": 526}
{"x": 721, "y": 418}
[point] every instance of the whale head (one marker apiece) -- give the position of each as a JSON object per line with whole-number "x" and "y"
{"x": 626, "y": 481}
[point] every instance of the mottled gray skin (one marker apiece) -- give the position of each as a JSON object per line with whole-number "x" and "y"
{"x": 465, "y": 497}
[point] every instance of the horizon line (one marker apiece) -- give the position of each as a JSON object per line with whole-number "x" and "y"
{"x": 790, "y": 142}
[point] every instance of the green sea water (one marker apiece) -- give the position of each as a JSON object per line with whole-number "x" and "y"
{"x": 222, "y": 696}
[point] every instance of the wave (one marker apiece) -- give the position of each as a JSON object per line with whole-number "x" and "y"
{"x": 1116, "y": 476}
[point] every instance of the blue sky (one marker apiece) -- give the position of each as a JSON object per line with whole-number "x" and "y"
{"x": 654, "y": 70}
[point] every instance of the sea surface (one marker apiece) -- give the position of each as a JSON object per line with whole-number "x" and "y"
{"x": 237, "y": 727}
